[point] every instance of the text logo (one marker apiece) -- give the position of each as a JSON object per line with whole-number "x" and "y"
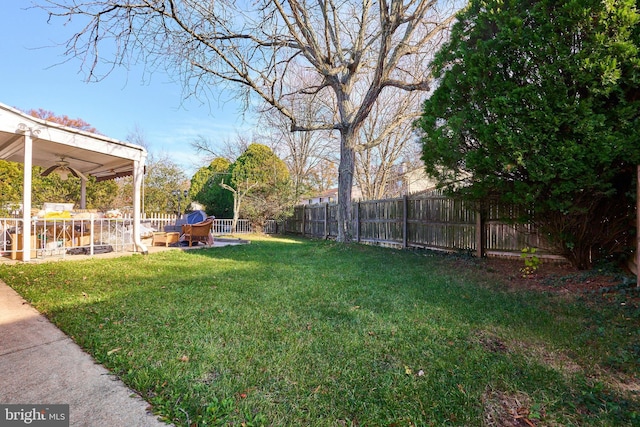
{"x": 34, "y": 415}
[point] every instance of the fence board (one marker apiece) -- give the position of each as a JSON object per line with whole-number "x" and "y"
{"x": 433, "y": 221}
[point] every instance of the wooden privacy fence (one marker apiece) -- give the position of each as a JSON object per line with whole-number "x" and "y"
{"x": 432, "y": 222}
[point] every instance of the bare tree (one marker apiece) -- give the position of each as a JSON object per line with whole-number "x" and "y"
{"x": 255, "y": 46}
{"x": 305, "y": 153}
{"x": 386, "y": 140}
{"x": 323, "y": 176}
{"x": 227, "y": 149}
{"x": 238, "y": 196}
{"x": 138, "y": 136}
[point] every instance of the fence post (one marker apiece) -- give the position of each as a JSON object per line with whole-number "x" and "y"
{"x": 358, "y": 221}
{"x": 303, "y": 220}
{"x": 405, "y": 220}
{"x": 326, "y": 221}
{"x": 479, "y": 233}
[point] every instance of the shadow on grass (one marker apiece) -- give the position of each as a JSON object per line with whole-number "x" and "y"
{"x": 312, "y": 332}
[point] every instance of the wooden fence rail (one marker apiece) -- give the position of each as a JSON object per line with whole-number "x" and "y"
{"x": 432, "y": 222}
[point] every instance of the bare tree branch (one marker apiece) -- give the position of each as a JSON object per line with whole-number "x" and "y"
{"x": 357, "y": 49}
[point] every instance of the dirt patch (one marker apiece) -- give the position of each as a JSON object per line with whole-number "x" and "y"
{"x": 509, "y": 410}
{"x": 558, "y": 361}
{"x": 490, "y": 342}
{"x": 554, "y": 277}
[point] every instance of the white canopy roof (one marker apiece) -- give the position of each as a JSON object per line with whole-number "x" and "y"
{"x": 37, "y": 142}
{"x": 90, "y": 153}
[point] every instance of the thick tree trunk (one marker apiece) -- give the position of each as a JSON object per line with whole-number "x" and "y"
{"x": 345, "y": 182}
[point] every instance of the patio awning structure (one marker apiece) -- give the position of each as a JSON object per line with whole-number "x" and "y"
{"x": 36, "y": 142}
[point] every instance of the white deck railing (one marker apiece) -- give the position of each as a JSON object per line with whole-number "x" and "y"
{"x": 220, "y": 226}
{"x": 61, "y": 237}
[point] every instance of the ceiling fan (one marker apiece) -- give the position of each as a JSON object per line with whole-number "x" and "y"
{"x": 63, "y": 169}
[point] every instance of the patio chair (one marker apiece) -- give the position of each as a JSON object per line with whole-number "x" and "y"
{"x": 188, "y": 218}
{"x": 199, "y": 232}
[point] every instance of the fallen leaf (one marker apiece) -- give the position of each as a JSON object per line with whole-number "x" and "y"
{"x": 184, "y": 358}
{"x": 110, "y": 352}
{"x": 461, "y": 389}
{"x": 407, "y": 370}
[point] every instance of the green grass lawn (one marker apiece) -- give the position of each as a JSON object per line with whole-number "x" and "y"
{"x": 291, "y": 332}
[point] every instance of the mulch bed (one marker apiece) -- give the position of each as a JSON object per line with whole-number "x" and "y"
{"x": 557, "y": 277}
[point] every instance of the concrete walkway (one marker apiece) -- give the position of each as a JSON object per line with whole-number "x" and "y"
{"x": 41, "y": 365}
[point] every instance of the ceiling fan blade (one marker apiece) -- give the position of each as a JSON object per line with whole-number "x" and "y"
{"x": 77, "y": 173}
{"x": 49, "y": 170}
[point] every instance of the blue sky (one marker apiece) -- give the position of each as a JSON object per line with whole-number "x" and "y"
{"x": 33, "y": 75}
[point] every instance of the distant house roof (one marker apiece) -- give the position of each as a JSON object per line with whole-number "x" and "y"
{"x": 326, "y": 196}
{"x": 333, "y": 192}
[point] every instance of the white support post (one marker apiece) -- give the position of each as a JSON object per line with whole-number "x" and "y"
{"x": 26, "y": 196}
{"x": 138, "y": 175}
